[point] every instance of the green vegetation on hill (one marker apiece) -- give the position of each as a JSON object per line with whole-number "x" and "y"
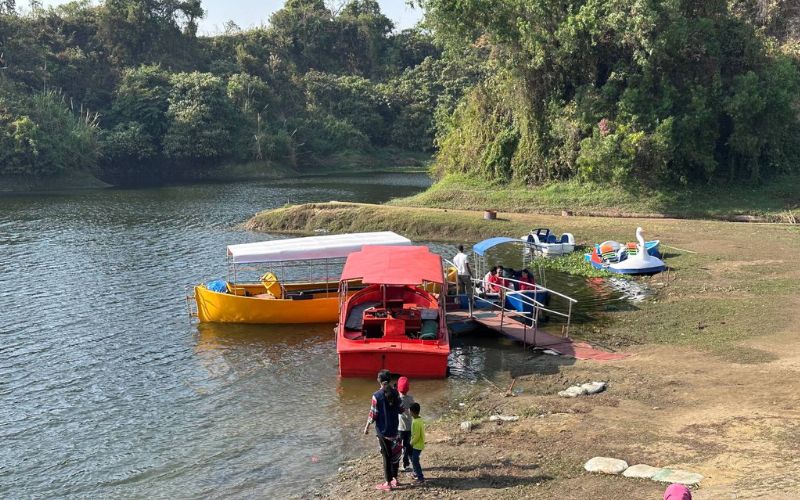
{"x": 127, "y": 89}
{"x": 630, "y": 100}
{"x": 625, "y": 92}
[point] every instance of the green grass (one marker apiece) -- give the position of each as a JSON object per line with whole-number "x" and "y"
{"x": 426, "y": 225}
{"x": 573, "y": 263}
{"x": 721, "y": 292}
{"x": 778, "y": 200}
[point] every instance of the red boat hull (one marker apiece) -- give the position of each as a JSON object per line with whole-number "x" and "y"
{"x": 391, "y": 337}
{"x": 367, "y": 363}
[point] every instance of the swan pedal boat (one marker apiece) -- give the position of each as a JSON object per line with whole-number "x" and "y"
{"x": 273, "y": 301}
{"x": 546, "y": 243}
{"x": 641, "y": 258}
{"x": 397, "y": 322}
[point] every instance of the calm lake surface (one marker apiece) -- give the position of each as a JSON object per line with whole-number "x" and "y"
{"x": 107, "y": 389}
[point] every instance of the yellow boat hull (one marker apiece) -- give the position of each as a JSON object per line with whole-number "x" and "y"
{"x": 242, "y": 307}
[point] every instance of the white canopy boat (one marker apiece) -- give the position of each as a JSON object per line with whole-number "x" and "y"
{"x": 300, "y": 284}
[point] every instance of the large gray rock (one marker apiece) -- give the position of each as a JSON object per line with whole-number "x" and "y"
{"x": 606, "y": 465}
{"x": 641, "y": 471}
{"x": 677, "y": 476}
{"x": 466, "y": 426}
{"x": 572, "y": 392}
{"x": 593, "y": 387}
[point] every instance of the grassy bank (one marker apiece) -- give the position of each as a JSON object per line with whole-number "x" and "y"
{"x": 778, "y": 200}
{"x": 716, "y": 287}
{"x": 692, "y": 394}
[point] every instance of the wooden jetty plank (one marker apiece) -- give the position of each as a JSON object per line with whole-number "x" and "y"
{"x": 538, "y": 338}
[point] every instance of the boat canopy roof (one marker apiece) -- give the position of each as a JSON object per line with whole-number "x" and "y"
{"x": 481, "y": 247}
{"x": 393, "y": 265}
{"x": 311, "y": 248}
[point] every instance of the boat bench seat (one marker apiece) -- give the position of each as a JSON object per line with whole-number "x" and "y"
{"x": 394, "y": 328}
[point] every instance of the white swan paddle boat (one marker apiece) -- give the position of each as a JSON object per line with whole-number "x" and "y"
{"x": 631, "y": 258}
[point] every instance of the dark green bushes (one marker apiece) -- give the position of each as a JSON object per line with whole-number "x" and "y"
{"x": 659, "y": 94}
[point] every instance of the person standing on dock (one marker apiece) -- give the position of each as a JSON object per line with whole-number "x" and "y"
{"x": 461, "y": 262}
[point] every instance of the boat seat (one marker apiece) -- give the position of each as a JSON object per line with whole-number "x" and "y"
{"x": 552, "y": 238}
{"x": 564, "y": 239}
{"x": 429, "y": 313}
{"x": 394, "y": 328}
{"x": 355, "y": 319}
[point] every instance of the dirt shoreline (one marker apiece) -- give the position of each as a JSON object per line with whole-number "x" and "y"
{"x": 712, "y": 385}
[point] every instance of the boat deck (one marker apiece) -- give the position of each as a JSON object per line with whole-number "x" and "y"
{"x": 536, "y": 338}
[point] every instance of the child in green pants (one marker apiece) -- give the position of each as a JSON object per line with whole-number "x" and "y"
{"x": 417, "y": 442}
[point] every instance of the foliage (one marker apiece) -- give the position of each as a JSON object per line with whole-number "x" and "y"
{"x": 313, "y": 83}
{"x": 200, "y": 118}
{"x": 41, "y": 136}
{"x": 623, "y": 91}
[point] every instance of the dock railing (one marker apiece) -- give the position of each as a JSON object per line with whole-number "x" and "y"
{"x": 497, "y": 302}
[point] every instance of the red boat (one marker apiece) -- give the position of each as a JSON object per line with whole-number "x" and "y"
{"x": 397, "y": 322}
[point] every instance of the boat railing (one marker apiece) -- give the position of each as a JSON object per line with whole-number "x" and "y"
{"x": 537, "y": 308}
{"x": 325, "y": 270}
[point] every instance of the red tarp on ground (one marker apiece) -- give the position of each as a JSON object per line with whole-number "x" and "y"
{"x": 394, "y": 265}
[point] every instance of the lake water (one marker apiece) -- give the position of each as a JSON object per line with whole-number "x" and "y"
{"x": 107, "y": 389}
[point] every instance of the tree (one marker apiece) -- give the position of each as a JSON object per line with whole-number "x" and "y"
{"x": 200, "y": 119}
{"x": 304, "y": 33}
{"x": 680, "y": 89}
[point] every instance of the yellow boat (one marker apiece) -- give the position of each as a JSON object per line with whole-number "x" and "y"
{"x": 293, "y": 297}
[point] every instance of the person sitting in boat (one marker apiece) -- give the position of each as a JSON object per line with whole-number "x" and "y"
{"x": 526, "y": 281}
{"x": 494, "y": 280}
{"x": 491, "y": 277}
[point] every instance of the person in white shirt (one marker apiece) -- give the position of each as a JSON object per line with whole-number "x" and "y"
{"x": 464, "y": 272}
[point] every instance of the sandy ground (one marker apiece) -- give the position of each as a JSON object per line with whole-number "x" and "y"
{"x": 738, "y": 425}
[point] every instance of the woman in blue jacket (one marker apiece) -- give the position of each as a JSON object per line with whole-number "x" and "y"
{"x": 385, "y": 413}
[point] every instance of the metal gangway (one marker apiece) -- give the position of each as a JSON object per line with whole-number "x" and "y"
{"x": 514, "y": 313}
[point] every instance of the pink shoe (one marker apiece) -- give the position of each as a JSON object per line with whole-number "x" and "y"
{"x": 383, "y": 487}
{"x": 395, "y": 483}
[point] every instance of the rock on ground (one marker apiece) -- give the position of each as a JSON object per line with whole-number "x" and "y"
{"x": 641, "y": 471}
{"x": 572, "y": 392}
{"x": 583, "y": 389}
{"x": 606, "y": 465}
{"x": 593, "y": 387}
{"x": 504, "y": 418}
{"x": 466, "y": 426}
{"x": 677, "y": 476}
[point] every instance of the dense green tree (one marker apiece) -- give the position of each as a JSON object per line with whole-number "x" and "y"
{"x": 363, "y": 38}
{"x": 305, "y": 32}
{"x": 200, "y": 119}
{"x": 142, "y": 96}
{"x": 658, "y": 93}
{"x": 148, "y": 31}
